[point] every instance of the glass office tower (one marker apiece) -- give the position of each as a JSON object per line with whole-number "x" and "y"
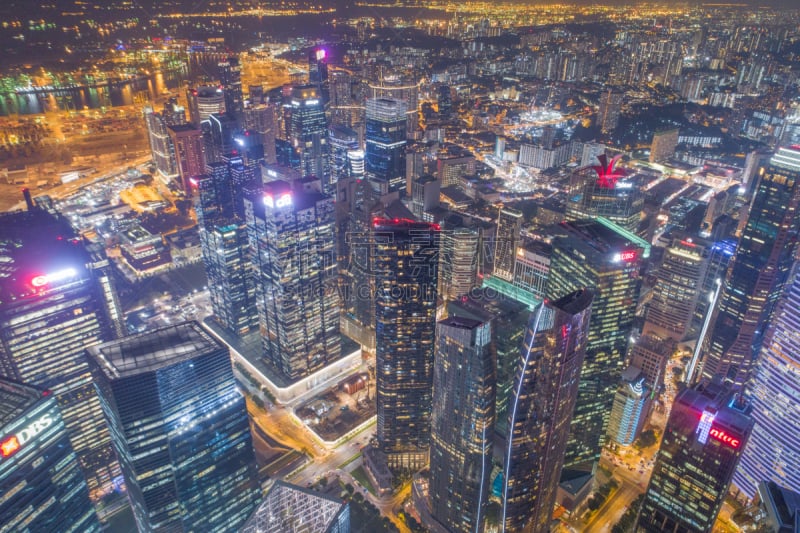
{"x": 292, "y": 237}
{"x": 53, "y": 305}
{"x": 758, "y": 270}
{"x": 385, "y": 138}
{"x": 772, "y": 452}
{"x": 599, "y": 255}
{"x": 406, "y": 271}
{"x": 308, "y": 132}
{"x": 707, "y": 430}
{"x": 180, "y": 429}
{"x": 462, "y": 423}
{"x": 542, "y": 402}
{"x": 42, "y": 487}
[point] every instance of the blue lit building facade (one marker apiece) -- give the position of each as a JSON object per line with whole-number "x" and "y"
{"x": 758, "y": 271}
{"x": 631, "y": 407}
{"x": 772, "y": 453}
{"x": 180, "y": 428}
{"x": 385, "y": 139}
{"x": 308, "y": 132}
{"x": 41, "y": 483}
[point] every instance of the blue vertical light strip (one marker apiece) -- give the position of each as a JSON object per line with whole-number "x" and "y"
{"x": 514, "y": 412}
{"x": 699, "y": 346}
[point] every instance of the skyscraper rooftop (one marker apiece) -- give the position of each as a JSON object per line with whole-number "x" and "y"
{"x": 291, "y": 509}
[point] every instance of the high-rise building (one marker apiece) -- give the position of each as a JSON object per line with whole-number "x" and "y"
{"x": 53, "y": 305}
{"x": 385, "y": 140}
{"x": 342, "y": 141}
{"x": 603, "y": 191}
{"x": 458, "y": 263}
{"x": 607, "y": 259}
{"x": 462, "y": 424}
{"x": 293, "y": 241}
{"x": 650, "y": 354}
{"x": 631, "y": 407}
{"x": 609, "y": 110}
{"x": 758, "y": 271}
{"x": 308, "y": 132}
{"x": 397, "y": 88}
{"x": 771, "y": 452}
{"x": 509, "y": 319}
{"x": 542, "y": 402}
{"x": 260, "y": 118}
{"x": 218, "y": 133}
{"x": 180, "y": 428}
{"x": 707, "y": 430}
{"x": 509, "y": 223}
{"x": 189, "y": 152}
{"x": 675, "y": 296}
{"x": 161, "y": 147}
{"x": 444, "y": 99}
{"x": 290, "y": 509}
{"x": 318, "y": 66}
{"x": 406, "y": 264}
{"x": 663, "y": 145}
{"x": 532, "y": 267}
{"x": 450, "y": 167}
{"x": 425, "y": 196}
{"x": 204, "y": 102}
{"x": 41, "y": 482}
{"x": 230, "y": 78}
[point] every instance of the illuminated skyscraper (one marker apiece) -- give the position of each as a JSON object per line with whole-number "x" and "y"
{"x": 607, "y": 259}
{"x": 161, "y": 147}
{"x": 542, "y": 402}
{"x": 41, "y": 482}
{"x": 462, "y": 424}
{"x": 509, "y": 223}
{"x": 675, "y": 294}
{"x": 180, "y": 428}
{"x": 218, "y": 133}
{"x": 703, "y": 442}
{"x": 203, "y": 102}
{"x": 53, "y": 305}
{"x": 308, "y": 132}
{"x": 189, "y": 152}
{"x": 230, "y": 78}
{"x": 292, "y": 236}
{"x": 458, "y": 264}
{"x": 631, "y": 407}
{"x": 406, "y": 261}
{"x": 385, "y": 140}
{"x": 260, "y": 118}
{"x": 758, "y": 271}
{"x": 771, "y": 453}
{"x": 343, "y": 141}
{"x": 602, "y": 191}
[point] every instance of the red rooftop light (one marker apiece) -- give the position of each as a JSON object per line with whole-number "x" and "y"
{"x": 607, "y": 175}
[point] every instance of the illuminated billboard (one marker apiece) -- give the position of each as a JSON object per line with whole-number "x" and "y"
{"x": 60, "y": 275}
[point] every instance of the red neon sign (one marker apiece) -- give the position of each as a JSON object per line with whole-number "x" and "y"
{"x": 9, "y": 446}
{"x": 628, "y": 256}
{"x": 723, "y": 437}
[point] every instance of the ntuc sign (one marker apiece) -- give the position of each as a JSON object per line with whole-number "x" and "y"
{"x": 723, "y": 437}
{"x": 11, "y": 444}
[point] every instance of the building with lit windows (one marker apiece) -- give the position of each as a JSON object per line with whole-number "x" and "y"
{"x": 218, "y": 132}
{"x": 343, "y": 141}
{"x": 707, "y": 430}
{"x": 405, "y": 266}
{"x": 532, "y": 267}
{"x": 675, "y": 296}
{"x": 189, "y": 152}
{"x": 509, "y": 223}
{"x": 771, "y": 453}
{"x": 293, "y": 242}
{"x": 203, "y": 102}
{"x": 509, "y": 319}
{"x": 603, "y": 191}
{"x": 462, "y": 424}
{"x": 663, "y": 145}
{"x": 631, "y": 407}
{"x": 308, "y": 133}
{"x": 546, "y": 382}
{"x": 607, "y": 259}
{"x": 162, "y": 148}
{"x": 458, "y": 263}
{"x": 42, "y": 486}
{"x": 385, "y": 140}
{"x": 230, "y": 79}
{"x": 54, "y": 301}
{"x": 180, "y": 428}
{"x": 609, "y": 109}
{"x": 290, "y": 509}
{"x": 758, "y": 270}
